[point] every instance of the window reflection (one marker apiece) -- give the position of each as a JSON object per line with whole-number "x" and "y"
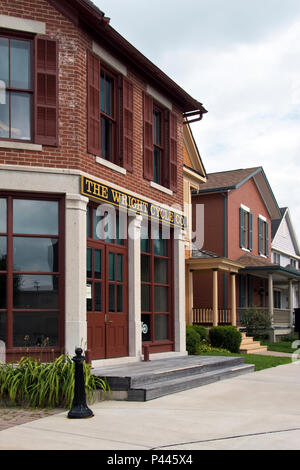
{"x": 35, "y": 329}
{"x": 35, "y": 254}
{"x": 31, "y": 291}
{"x": 35, "y": 217}
{"x": 2, "y": 213}
{"x": 20, "y": 116}
{"x": 3, "y": 253}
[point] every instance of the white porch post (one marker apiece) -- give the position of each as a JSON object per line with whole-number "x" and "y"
{"x": 271, "y": 298}
{"x": 75, "y": 273}
{"x": 215, "y": 297}
{"x": 134, "y": 286}
{"x": 191, "y": 296}
{"x": 291, "y": 302}
{"x": 233, "y": 299}
{"x": 179, "y": 292}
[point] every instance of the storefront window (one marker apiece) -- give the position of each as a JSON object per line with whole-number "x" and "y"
{"x": 30, "y": 277}
{"x": 156, "y": 288}
{"x": 2, "y": 215}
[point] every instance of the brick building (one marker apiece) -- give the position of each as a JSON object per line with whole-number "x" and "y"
{"x": 91, "y": 151}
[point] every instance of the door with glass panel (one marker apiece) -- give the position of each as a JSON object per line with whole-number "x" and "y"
{"x": 107, "y": 315}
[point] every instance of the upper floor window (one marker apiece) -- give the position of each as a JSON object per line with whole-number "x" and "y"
{"x": 263, "y": 236}
{"x": 16, "y": 89}
{"x": 28, "y": 107}
{"x": 276, "y": 258}
{"x": 109, "y": 114}
{"x": 246, "y": 229}
{"x": 160, "y": 144}
{"x": 294, "y": 263}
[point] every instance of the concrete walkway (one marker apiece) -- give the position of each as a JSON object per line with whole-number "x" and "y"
{"x": 259, "y": 410}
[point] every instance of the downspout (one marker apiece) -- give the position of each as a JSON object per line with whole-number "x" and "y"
{"x": 225, "y": 250}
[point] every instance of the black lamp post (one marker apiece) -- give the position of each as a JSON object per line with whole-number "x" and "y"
{"x": 79, "y": 407}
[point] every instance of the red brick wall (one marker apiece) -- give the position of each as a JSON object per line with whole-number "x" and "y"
{"x": 249, "y": 196}
{"x": 72, "y": 153}
{"x": 213, "y": 221}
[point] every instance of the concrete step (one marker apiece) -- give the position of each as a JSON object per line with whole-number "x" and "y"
{"x": 155, "y": 390}
{"x": 253, "y": 345}
{"x": 148, "y": 380}
{"x": 254, "y": 350}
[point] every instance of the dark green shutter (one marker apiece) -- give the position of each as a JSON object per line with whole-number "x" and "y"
{"x": 259, "y": 236}
{"x": 267, "y": 239}
{"x": 250, "y": 231}
{"x": 241, "y": 227}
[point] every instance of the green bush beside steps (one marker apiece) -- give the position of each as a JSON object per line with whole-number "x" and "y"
{"x": 219, "y": 338}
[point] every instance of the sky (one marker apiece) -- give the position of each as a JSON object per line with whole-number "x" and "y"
{"x": 241, "y": 59}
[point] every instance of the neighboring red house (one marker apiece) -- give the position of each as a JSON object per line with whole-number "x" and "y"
{"x": 233, "y": 268}
{"x": 87, "y": 120}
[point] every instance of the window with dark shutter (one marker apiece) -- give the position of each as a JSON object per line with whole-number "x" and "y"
{"x": 16, "y": 87}
{"x": 148, "y": 137}
{"x": 46, "y": 102}
{"x": 93, "y": 111}
{"x": 127, "y": 125}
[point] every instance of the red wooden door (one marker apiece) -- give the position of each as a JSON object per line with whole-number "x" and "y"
{"x": 107, "y": 300}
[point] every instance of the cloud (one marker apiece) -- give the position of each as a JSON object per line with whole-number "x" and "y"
{"x": 241, "y": 59}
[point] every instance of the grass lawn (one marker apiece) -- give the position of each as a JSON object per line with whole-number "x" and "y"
{"x": 261, "y": 362}
{"x": 281, "y": 346}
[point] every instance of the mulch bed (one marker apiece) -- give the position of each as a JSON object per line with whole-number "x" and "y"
{"x": 10, "y": 417}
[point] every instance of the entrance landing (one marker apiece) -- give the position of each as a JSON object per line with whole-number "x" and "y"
{"x": 145, "y": 381}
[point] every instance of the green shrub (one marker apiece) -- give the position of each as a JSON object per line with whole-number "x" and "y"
{"x": 193, "y": 340}
{"x": 44, "y": 385}
{"x": 225, "y": 337}
{"x": 255, "y": 321}
{"x": 201, "y": 330}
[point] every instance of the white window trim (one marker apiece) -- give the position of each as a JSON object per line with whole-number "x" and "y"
{"x": 245, "y": 208}
{"x": 109, "y": 59}
{"x": 20, "y": 146}
{"x": 110, "y": 165}
{"x": 161, "y": 188}
{"x": 158, "y": 97}
{"x": 262, "y": 218}
{"x": 21, "y": 24}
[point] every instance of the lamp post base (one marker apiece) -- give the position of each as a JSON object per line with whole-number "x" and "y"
{"x": 79, "y": 412}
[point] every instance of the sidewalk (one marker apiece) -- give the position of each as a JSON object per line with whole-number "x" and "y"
{"x": 259, "y": 410}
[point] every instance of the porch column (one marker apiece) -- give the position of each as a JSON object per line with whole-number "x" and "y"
{"x": 179, "y": 291}
{"x": 75, "y": 273}
{"x": 190, "y": 299}
{"x": 215, "y": 297}
{"x": 233, "y": 299}
{"x": 298, "y": 295}
{"x": 291, "y": 303}
{"x": 271, "y": 298}
{"x": 134, "y": 286}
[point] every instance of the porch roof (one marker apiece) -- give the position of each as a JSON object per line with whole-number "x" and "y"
{"x": 202, "y": 260}
{"x": 280, "y": 273}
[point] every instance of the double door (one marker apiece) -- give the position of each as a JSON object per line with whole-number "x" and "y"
{"x": 107, "y": 300}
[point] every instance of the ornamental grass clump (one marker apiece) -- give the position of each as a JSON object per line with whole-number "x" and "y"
{"x": 44, "y": 385}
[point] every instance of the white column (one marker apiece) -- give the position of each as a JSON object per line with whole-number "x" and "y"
{"x": 75, "y": 273}
{"x": 179, "y": 292}
{"x": 271, "y": 297}
{"x": 291, "y": 302}
{"x": 134, "y": 286}
{"x": 233, "y": 299}
{"x": 215, "y": 297}
{"x": 191, "y": 296}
